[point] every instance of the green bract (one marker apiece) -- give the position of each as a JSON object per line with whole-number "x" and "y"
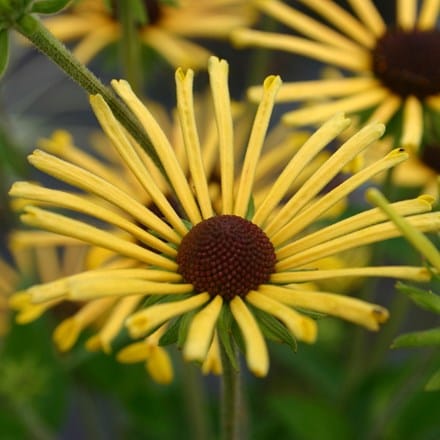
{"x": 48, "y": 6}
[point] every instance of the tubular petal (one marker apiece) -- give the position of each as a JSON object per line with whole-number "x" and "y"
{"x": 302, "y": 327}
{"x": 218, "y": 75}
{"x": 163, "y": 149}
{"x": 142, "y": 322}
{"x": 201, "y": 330}
{"x": 185, "y": 107}
{"x": 257, "y": 357}
{"x": 256, "y": 140}
{"x": 351, "y": 309}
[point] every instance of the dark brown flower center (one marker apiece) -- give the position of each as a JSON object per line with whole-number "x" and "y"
{"x": 430, "y": 156}
{"x": 226, "y": 255}
{"x": 151, "y": 7}
{"x": 408, "y": 62}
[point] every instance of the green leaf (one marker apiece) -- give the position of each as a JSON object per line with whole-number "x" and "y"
{"x": 4, "y": 50}
{"x": 434, "y": 382}
{"x": 425, "y": 299}
{"x": 274, "y": 329}
{"x": 418, "y": 339}
{"x": 49, "y": 6}
{"x": 224, "y": 328}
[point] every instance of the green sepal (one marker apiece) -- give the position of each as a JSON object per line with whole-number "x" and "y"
{"x": 311, "y": 313}
{"x": 425, "y": 338}
{"x": 238, "y": 337}
{"x": 273, "y": 329}
{"x": 434, "y": 382}
{"x": 27, "y": 25}
{"x": 250, "y": 209}
{"x": 183, "y": 328}
{"x": 4, "y": 50}
{"x": 171, "y": 333}
{"x": 224, "y": 329}
{"x": 49, "y": 6}
{"x": 425, "y": 299}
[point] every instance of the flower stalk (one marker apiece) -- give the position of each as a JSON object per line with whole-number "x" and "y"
{"x": 230, "y": 398}
{"x": 130, "y": 46}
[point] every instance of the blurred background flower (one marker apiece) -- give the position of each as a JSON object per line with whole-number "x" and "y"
{"x": 169, "y": 28}
{"x": 392, "y": 72}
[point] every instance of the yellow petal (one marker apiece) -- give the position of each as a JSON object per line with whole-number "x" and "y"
{"x": 344, "y": 21}
{"x": 398, "y": 272}
{"x": 428, "y": 15}
{"x": 257, "y": 357}
{"x": 213, "y": 363}
{"x": 351, "y": 309}
{"x": 185, "y": 107}
{"x": 316, "y": 113}
{"x": 368, "y": 13}
{"x": 145, "y": 320}
{"x": 347, "y": 151}
{"x": 412, "y": 125}
{"x": 159, "y": 366}
{"x": 355, "y": 223}
{"x": 64, "y": 225}
{"x": 116, "y": 287}
{"x": 256, "y": 140}
{"x": 201, "y": 330}
{"x": 136, "y": 352}
{"x": 357, "y": 61}
{"x": 406, "y": 14}
{"x": 67, "y": 332}
{"x": 310, "y": 214}
{"x": 317, "y": 142}
{"x": 134, "y": 161}
{"x": 302, "y": 327}
{"x": 218, "y": 75}
{"x": 162, "y": 147}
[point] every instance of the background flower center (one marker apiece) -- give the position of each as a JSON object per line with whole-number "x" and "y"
{"x": 152, "y": 8}
{"x": 226, "y": 255}
{"x": 408, "y": 62}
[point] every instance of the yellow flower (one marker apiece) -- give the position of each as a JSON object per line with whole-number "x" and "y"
{"x": 168, "y": 30}
{"x": 234, "y": 271}
{"x": 394, "y": 68}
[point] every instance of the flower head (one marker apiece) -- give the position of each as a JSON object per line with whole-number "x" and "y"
{"x": 394, "y": 68}
{"x": 236, "y": 271}
{"x": 168, "y": 28}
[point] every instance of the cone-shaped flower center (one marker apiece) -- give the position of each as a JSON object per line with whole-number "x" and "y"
{"x": 226, "y": 255}
{"x": 408, "y": 62}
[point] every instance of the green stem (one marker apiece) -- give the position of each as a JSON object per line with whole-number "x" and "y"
{"x": 43, "y": 40}
{"x": 130, "y": 45}
{"x": 230, "y": 399}
{"x": 195, "y": 402}
{"x": 398, "y": 311}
